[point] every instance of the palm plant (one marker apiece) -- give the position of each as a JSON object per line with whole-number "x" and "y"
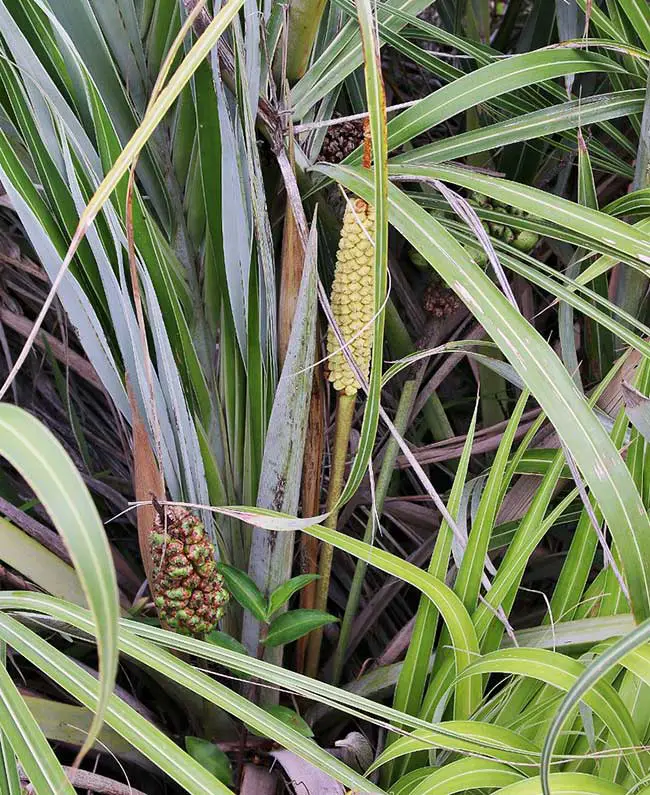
{"x": 163, "y": 167}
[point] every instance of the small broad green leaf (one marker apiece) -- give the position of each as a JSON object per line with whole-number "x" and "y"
{"x": 291, "y": 718}
{"x": 213, "y": 759}
{"x": 284, "y": 592}
{"x": 294, "y": 624}
{"x": 244, "y": 591}
{"x": 461, "y": 628}
{"x": 226, "y": 641}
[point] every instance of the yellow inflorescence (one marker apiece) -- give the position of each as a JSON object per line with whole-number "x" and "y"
{"x": 352, "y": 298}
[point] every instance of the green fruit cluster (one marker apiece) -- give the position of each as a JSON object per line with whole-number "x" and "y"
{"x": 189, "y": 593}
{"x": 521, "y": 239}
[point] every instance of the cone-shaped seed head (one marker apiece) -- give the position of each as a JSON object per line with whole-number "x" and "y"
{"x": 352, "y": 296}
{"x": 189, "y": 593}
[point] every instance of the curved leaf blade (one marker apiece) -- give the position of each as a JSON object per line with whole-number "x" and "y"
{"x": 28, "y": 741}
{"x": 34, "y": 451}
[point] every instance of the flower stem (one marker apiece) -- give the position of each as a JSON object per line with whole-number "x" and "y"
{"x": 344, "y": 414}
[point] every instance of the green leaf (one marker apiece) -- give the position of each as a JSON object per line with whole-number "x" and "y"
{"x": 341, "y": 58}
{"x": 565, "y": 784}
{"x": 291, "y": 718}
{"x": 471, "y": 568}
{"x": 491, "y": 81}
{"x": 39, "y": 564}
{"x": 527, "y": 126}
{"x": 83, "y": 686}
{"x": 9, "y": 776}
{"x": 243, "y": 709}
{"x": 582, "y": 688}
{"x": 563, "y": 672}
{"x": 225, "y": 641}
{"x": 68, "y": 723}
{"x": 28, "y": 742}
{"x": 603, "y": 231}
{"x": 213, "y": 759}
{"x": 152, "y": 118}
{"x": 413, "y": 676}
{"x": 245, "y": 591}
{"x": 272, "y": 555}
{"x": 41, "y": 459}
{"x": 467, "y": 774}
{"x": 284, "y": 592}
{"x": 461, "y": 629}
{"x": 304, "y": 686}
{"x": 290, "y": 626}
{"x": 472, "y": 737}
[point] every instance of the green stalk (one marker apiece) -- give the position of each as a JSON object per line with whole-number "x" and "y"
{"x": 344, "y": 415}
{"x": 304, "y": 21}
{"x": 401, "y": 345}
{"x": 402, "y": 417}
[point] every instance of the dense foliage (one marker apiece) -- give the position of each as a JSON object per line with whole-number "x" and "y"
{"x": 249, "y": 539}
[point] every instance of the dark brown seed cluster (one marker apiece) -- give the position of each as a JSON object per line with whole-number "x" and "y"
{"x": 341, "y": 140}
{"x": 440, "y": 301}
{"x": 189, "y": 593}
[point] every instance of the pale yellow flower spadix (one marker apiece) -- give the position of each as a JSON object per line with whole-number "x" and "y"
{"x": 352, "y": 298}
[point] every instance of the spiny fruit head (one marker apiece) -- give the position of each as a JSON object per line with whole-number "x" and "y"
{"x": 352, "y": 298}
{"x": 189, "y": 593}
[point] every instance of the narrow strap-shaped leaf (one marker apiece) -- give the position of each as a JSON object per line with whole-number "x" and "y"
{"x": 601, "y": 229}
{"x": 132, "y": 149}
{"x": 9, "y": 776}
{"x": 467, "y": 774}
{"x": 527, "y": 126}
{"x": 563, "y": 672}
{"x": 302, "y": 685}
{"x": 491, "y": 81}
{"x": 410, "y": 686}
{"x": 28, "y": 741}
{"x": 626, "y": 651}
{"x": 565, "y": 784}
{"x": 470, "y": 737}
{"x": 341, "y": 58}
{"x": 40, "y": 458}
{"x": 470, "y": 572}
{"x": 83, "y": 686}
